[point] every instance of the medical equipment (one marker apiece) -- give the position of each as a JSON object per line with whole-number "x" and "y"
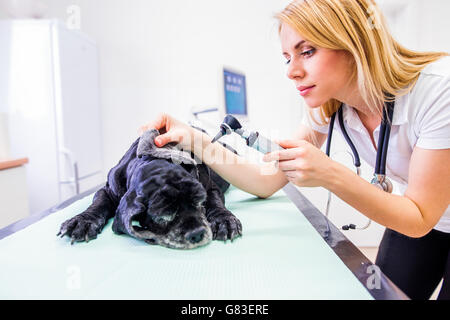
{"x": 233, "y": 93}
{"x": 253, "y": 138}
{"x": 379, "y": 179}
{"x": 260, "y": 143}
{"x": 256, "y": 141}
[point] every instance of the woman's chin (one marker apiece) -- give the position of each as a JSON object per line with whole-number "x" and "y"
{"x": 313, "y": 103}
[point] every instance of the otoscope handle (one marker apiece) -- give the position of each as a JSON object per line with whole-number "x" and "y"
{"x": 258, "y": 142}
{"x": 265, "y": 145}
{"x": 252, "y": 138}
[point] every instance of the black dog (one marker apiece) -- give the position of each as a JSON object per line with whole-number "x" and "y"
{"x": 160, "y": 195}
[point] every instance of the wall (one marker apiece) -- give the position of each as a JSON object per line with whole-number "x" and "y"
{"x": 160, "y": 56}
{"x": 422, "y": 25}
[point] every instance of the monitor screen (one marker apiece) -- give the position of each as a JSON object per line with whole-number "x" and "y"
{"x": 235, "y": 93}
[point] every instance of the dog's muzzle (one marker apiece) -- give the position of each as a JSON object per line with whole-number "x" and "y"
{"x": 187, "y": 233}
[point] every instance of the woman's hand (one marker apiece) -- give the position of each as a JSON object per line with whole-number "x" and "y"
{"x": 171, "y": 130}
{"x": 303, "y": 164}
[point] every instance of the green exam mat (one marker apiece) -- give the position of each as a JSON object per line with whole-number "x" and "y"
{"x": 279, "y": 256}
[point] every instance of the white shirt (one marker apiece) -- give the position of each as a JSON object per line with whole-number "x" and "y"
{"x": 421, "y": 118}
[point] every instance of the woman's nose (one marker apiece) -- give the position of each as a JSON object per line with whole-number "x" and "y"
{"x": 295, "y": 70}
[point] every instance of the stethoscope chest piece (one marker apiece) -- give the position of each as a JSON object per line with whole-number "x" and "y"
{"x": 382, "y": 182}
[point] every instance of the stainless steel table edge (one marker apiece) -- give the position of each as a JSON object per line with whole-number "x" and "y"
{"x": 22, "y": 224}
{"x": 370, "y": 275}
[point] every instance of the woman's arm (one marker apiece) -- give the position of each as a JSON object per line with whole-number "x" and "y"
{"x": 414, "y": 214}
{"x": 257, "y": 179}
{"x": 261, "y": 180}
{"x": 233, "y": 168}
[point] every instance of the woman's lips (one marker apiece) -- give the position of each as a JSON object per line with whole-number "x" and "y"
{"x": 304, "y": 90}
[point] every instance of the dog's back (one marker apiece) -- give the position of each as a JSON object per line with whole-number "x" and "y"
{"x": 118, "y": 176}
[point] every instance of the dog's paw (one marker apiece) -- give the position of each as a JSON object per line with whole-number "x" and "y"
{"x": 225, "y": 226}
{"x": 81, "y": 228}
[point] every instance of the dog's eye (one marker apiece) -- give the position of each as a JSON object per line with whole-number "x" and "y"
{"x": 165, "y": 218}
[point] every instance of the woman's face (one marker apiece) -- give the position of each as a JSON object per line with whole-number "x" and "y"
{"x": 318, "y": 73}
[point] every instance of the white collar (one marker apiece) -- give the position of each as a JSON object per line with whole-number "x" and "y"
{"x": 352, "y": 120}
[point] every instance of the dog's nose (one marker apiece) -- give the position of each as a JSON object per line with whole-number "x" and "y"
{"x": 195, "y": 236}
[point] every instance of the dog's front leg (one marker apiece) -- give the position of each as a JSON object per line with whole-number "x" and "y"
{"x": 224, "y": 224}
{"x": 88, "y": 224}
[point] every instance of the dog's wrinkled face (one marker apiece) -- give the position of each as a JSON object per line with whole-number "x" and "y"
{"x": 172, "y": 207}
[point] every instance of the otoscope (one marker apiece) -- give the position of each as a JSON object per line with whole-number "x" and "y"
{"x": 258, "y": 142}
{"x": 252, "y": 138}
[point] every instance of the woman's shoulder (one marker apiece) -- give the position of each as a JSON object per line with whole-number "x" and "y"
{"x": 439, "y": 68}
{"x": 426, "y": 107}
{"x": 430, "y": 96}
{"x": 433, "y": 82}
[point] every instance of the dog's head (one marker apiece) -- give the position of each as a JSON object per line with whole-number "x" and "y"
{"x": 165, "y": 205}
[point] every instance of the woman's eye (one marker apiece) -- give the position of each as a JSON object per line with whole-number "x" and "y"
{"x": 308, "y": 53}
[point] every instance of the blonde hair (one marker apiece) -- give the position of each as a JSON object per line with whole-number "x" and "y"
{"x": 383, "y": 68}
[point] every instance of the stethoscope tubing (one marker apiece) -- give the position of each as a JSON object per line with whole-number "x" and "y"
{"x": 383, "y": 140}
{"x": 382, "y": 148}
{"x": 357, "y": 160}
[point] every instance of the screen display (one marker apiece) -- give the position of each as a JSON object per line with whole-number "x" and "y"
{"x": 235, "y": 93}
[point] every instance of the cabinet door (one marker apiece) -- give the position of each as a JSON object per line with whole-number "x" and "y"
{"x": 78, "y": 109}
{"x": 26, "y": 94}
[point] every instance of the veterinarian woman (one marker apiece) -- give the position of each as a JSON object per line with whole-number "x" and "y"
{"x": 339, "y": 52}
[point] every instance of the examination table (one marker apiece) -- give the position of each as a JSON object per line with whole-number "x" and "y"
{"x": 283, "y": 254}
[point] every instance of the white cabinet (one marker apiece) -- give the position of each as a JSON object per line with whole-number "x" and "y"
{"x": 13, "y": 195}
{"x": 49, "y": 88}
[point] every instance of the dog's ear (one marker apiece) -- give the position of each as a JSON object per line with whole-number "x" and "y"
{"x": 192, "y": 169}
{"x": 130, "y": 206}
{"x": 192, "y": 192}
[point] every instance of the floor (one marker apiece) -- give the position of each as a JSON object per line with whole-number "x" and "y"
{"x": 371, "y": 254}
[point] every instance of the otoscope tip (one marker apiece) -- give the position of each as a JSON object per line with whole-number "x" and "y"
{"x": 217, "y": 137}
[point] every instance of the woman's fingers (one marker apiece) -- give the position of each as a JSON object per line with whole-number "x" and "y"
{"x": 170, "y": 130}
{"x": 281, "y": 155}
{"x": 289, "y": 144}
{"x": 178, "y": 135}
{"x": 292, "y": 150}
{"x": 289, "y": 165}
{"x": 159, "y": 123}
{"x": 164, "y": 139}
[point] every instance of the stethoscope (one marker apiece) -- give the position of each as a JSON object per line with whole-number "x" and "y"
{"x": 379, "y": 179}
